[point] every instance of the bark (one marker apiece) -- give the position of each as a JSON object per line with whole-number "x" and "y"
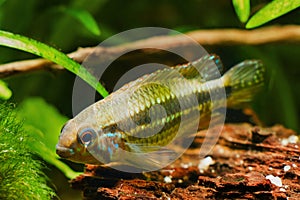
{"x": 243, "y": 157}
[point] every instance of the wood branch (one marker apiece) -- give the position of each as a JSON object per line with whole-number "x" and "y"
{"x": 242, "y": 160}
{"x": 26, "y": 66}
{"x": 273, "y": 34}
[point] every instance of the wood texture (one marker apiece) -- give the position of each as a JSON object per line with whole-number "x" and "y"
{"x": 243, "y": 157}
{"x": 265, "y": 35}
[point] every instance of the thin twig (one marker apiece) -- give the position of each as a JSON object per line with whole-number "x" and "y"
{"x": 273, "y": 34}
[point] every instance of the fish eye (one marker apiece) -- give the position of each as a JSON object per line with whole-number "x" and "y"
{"x": 86, "y": 136}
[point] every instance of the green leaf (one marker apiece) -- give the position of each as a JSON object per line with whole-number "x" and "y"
{"x": 43, "y": 123}
{"x": 85, "y": 18}
{"x": 2, "y": 2}
{"x": 40, "y": 49}
{"x": 38, "y": 114}
{"x": 5, "y": 92}
{"x": 271, "y": 11}
{"x": 242, "y": 9}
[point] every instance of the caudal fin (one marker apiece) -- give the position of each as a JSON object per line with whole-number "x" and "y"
{"x": 243, "y": 81}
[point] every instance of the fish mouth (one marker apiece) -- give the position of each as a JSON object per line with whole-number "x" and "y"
{"x": 64, "y": 152}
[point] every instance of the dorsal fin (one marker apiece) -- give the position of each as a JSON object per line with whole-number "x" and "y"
{"x": 207, "y": 68}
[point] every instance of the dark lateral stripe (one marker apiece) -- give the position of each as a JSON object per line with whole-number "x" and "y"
{"x": 173, "y": 116}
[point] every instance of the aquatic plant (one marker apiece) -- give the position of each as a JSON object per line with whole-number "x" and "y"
{"x": 21, "y": 175}
{"x": 270, "y": 11}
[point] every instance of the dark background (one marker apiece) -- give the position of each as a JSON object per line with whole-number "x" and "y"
{"x": 278, "y": 104}
{"x": 41, "y": 20}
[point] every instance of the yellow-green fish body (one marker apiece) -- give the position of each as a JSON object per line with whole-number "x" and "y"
{"x": 149, "y": 113}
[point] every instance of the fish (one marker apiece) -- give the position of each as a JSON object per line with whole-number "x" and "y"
{"x": 138, "y": 124}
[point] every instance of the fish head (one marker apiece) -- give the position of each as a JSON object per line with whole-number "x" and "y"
{"x": 74, "y": 141}
{"x": 83, "y": 140}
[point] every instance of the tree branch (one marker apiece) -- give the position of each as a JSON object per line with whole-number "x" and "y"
{"x": 273, "y": 34}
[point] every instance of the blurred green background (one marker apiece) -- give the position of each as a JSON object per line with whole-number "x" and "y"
{"x": 51, "y": 22}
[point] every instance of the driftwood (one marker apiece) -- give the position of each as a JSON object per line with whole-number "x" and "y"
{"x": 266, "y": 35}
{"x": 242, "y": 159}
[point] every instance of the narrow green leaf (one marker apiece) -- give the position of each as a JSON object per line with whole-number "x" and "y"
{"x": 43, "y": 123}
{"x": 5, "y": 92}
{"x": 242, "y": 9}
{"x": 40, "y": 49}
{"x": 271, "y": 11}
{"x": 85, "y": 18}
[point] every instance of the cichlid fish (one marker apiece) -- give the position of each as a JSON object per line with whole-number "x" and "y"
{"x": 146, "y": 114}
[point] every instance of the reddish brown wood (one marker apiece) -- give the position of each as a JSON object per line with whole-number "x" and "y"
{"x": 244, "y": 156}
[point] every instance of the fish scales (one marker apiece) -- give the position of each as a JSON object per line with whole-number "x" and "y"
{"x": 169, "y": 109}
{"x": 172, "y": 108}
{"x": 149, "y": 113}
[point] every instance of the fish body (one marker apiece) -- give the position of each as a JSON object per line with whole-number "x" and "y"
{"x": 148, "y": 114}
